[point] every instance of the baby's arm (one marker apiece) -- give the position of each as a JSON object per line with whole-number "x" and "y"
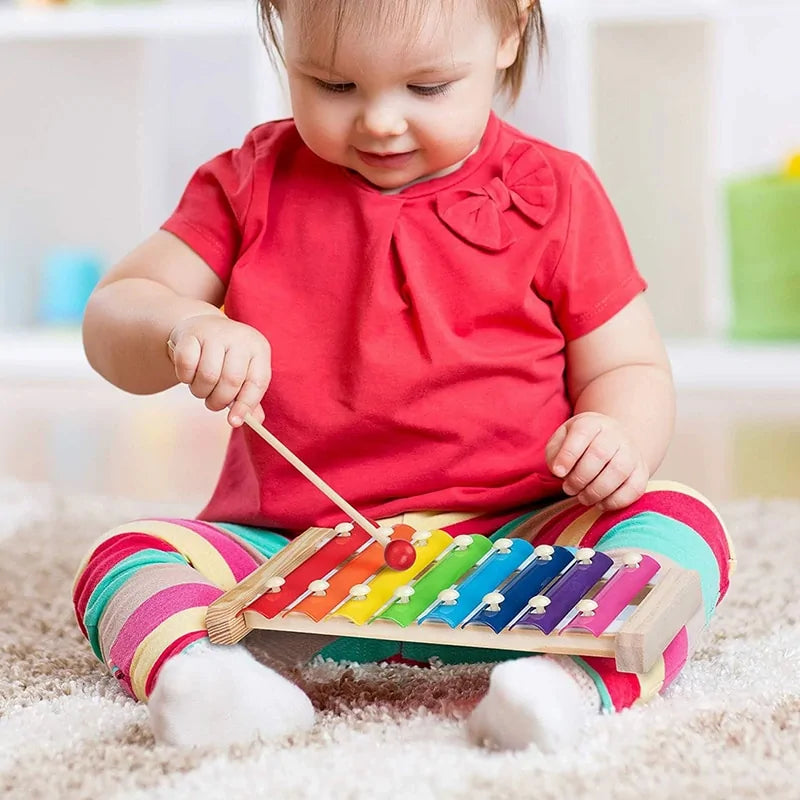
{"x": 164, "y": 291}
{"x": 620, "y": 383}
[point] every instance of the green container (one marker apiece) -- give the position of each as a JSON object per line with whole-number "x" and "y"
{"x": 764, "y": 225}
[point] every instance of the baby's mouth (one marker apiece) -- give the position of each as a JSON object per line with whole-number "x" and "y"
{"x": 386, "y": 160}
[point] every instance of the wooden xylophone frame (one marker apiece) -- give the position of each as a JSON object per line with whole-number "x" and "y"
{"x": 664, "y": 609}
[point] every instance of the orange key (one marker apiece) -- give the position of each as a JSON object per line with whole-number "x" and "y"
{"x": 365, "y": 565}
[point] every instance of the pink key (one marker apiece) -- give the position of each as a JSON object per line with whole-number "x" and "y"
{"x": 618, "y": 592}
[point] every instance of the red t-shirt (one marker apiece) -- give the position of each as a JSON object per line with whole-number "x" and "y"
{"x": 417, "y": 338}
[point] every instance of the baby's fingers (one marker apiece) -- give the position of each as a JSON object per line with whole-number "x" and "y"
{"x": 553, "y": 448}
{"x": 249, "y": 398}
{"x": 231, "y": 379}
{"x": 580, "y": 434}
{"x": 610, "y": 479}
{"x": 629, "y": 492}
{"x": 185, "y": 358}
{"x": 258, "y": 414}
{"x": 600, "y": 451}
{"x": 209, "y": 369}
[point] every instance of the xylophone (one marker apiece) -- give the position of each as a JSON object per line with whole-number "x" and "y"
{"x": 465, "y": 591}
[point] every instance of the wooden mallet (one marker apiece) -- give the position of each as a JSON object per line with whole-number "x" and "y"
{"x": 398, "y": 555}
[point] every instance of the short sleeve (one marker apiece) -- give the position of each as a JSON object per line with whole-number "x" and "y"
{"x": 590, "y": 275}
{"x": 210, "y": 214}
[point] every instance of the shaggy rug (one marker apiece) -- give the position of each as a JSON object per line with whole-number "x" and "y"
{"x": 730, "y": 727}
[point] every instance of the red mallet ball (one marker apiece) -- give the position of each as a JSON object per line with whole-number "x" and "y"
{"x": 399, "y": 555}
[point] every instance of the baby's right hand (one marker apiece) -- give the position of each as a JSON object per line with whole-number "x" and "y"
{"x": 226, "y": 363}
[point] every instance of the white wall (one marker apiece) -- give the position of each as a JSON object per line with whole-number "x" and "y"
{"x": 64, "y": 156}
{"x": 667, "y": 110}
{"x": 651, "y": 106}
{"x": 99, "y": 137}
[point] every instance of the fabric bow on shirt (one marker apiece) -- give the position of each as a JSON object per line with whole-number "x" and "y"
{"x": 527, "y": 185}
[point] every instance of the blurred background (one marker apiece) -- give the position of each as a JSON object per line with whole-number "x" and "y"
{"x": 689, "y": 110}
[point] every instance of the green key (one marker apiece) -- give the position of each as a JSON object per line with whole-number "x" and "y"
{"x": 441, "y": 576}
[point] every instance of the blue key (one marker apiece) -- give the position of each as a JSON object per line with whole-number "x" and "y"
{"x": 488, "y": 574}
{"x": 530, "y": 582}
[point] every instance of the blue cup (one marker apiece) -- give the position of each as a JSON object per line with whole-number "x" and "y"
{"x": 67, "y": 279}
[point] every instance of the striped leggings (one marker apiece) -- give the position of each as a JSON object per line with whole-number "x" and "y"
{"x": 141, "y": 593}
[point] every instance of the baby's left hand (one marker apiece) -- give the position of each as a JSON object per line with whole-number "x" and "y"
{"x": 599, "y": 461}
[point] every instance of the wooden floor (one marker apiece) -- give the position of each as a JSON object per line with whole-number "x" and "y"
{"x": 88, "y": 437}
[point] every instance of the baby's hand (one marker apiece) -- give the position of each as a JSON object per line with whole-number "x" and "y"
{"x": 226, "y": 363}
{"x": 599, "y": 461}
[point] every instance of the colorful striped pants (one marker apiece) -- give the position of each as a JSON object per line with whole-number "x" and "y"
{"x": 142, "y": 592}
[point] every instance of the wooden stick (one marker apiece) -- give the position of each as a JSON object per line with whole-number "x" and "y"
{"x": 312, "y": 476}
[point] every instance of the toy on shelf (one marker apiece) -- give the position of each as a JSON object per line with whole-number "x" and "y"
{"x": 763, "y": 212}
{"x": 465, "y": 591}
{"x": 67, "y": 279}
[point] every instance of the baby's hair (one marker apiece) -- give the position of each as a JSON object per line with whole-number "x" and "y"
{"x": 506, "y": 14}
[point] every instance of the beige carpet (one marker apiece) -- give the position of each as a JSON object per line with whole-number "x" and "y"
{"x": 730, "y": 728}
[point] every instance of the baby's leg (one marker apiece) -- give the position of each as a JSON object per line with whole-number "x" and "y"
{"x": 141, "y": 598}
{"x": 545, "y": 699}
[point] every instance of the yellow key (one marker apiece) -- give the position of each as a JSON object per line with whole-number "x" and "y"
{"x": 370, "y": 598}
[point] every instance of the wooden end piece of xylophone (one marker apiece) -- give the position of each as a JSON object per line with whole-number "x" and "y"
{"x": 465, "y": 591}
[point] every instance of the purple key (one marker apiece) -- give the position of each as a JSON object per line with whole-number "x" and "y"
{"x": 566, "y": 592}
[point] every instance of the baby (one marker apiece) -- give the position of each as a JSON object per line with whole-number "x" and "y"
{"x": 440, "y": 314}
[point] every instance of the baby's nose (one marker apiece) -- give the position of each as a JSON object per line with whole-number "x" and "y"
{"x": 382, "y": 120}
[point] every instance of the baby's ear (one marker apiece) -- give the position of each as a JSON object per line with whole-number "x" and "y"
{"x": 509, "y": 45}
{"x": 507, "y": 52}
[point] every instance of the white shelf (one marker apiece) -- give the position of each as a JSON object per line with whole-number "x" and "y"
{"x": 42, "y": 355}
{"x": 622, "y": 11}
{"x": 212, "y": 17}
{"x": 735, "y": 365}
{"x": 128, "y": 21}
{"x": 58, "y": 355}
{"x": 653, "y": 11}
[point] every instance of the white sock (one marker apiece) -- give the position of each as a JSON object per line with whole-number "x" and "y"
{"x": 543, "y": 700}
{"x": 218, "y": 695}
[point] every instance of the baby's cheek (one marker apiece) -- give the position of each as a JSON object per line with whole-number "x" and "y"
{"x": 461, "y": 131}
{"x": 455, "y": 145}
{"x": 322, "y": 134}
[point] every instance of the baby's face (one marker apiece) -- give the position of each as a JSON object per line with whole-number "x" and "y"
{"x": 395, "y": 107}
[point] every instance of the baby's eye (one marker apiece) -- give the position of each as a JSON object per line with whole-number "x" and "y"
{"x": 335, "y": 88}
{"x": 430, "y": 89}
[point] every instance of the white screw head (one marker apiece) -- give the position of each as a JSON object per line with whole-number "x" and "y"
{"x": 632, "y": 559}
{"x": 544, "y": 551}
{"x": 493, "y": 600}
{"x": 404, "y": 593}
{"x": 448, "y": 596}
{"x": 586, "y": 608}
{"x": 462, "y": 542}
{"x": 539, "y": 603}
{"x": 344, "y": 529}
{"x": 274, "y": 583}
{"x": 318, "y": 588}
{"x": 584, "y": 555}
{"x": 420, "y": 538}
{"x": 503, "y": 545}
{"x": 359, "y": 591}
